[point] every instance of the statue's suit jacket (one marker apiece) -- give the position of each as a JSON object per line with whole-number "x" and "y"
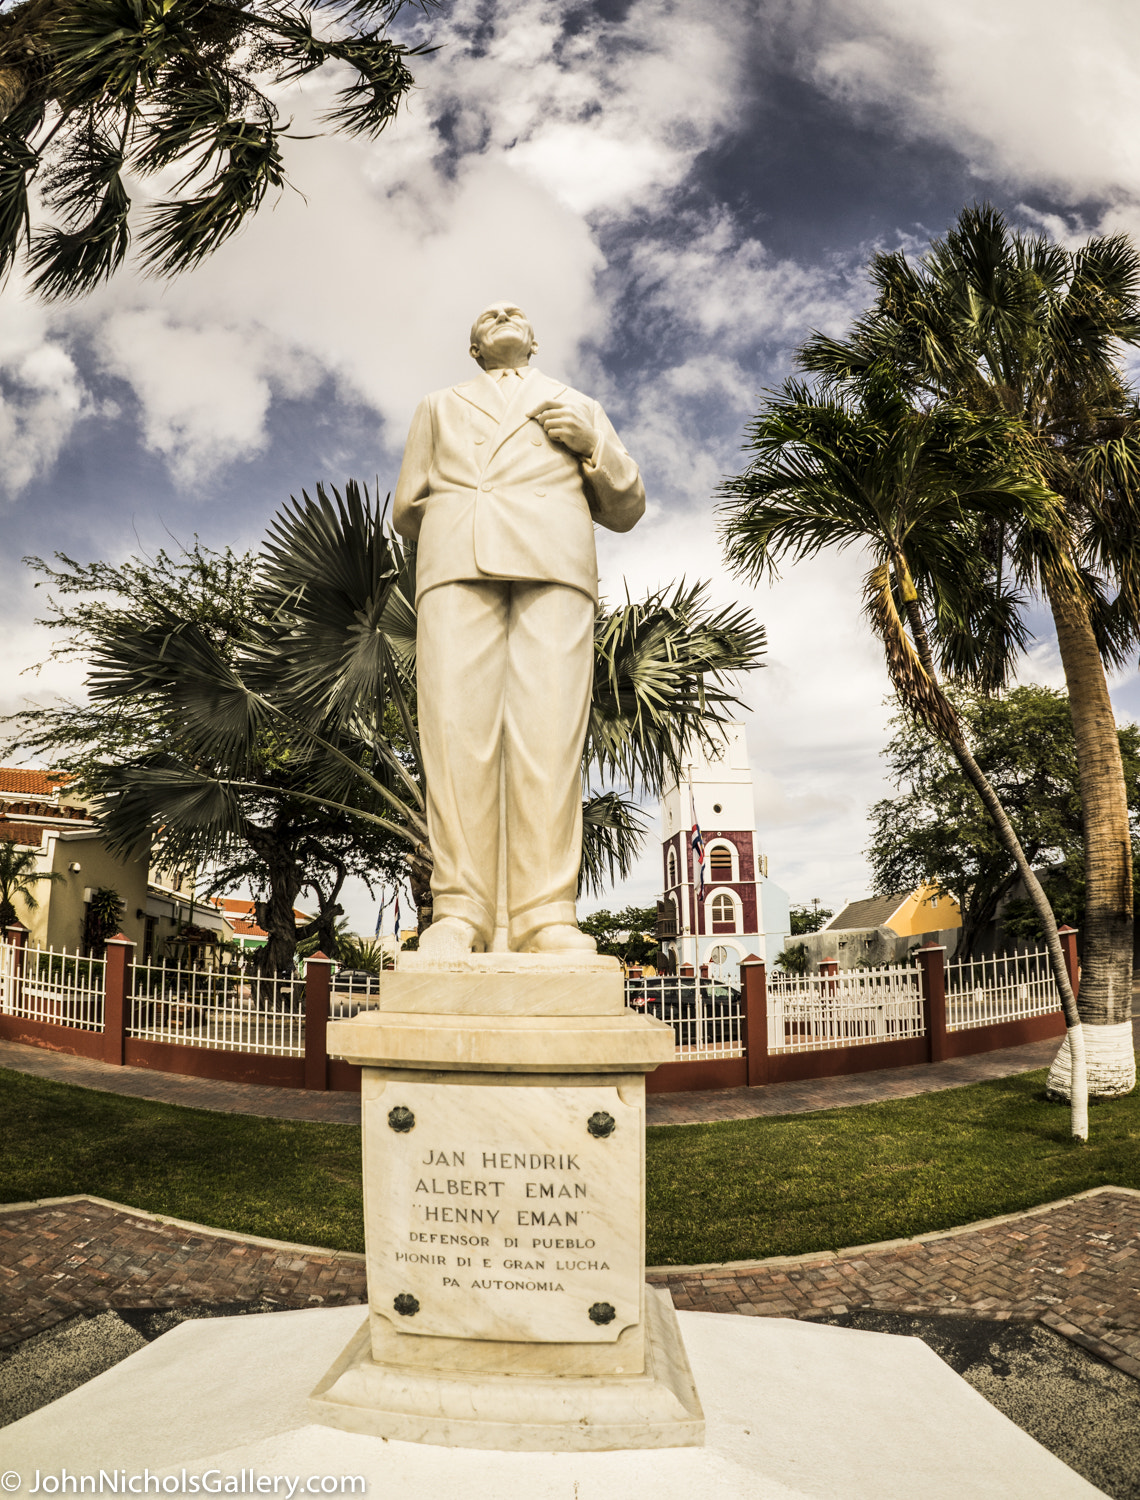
{"x": 488, "y": 495}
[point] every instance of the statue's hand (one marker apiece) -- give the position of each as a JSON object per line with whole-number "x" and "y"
{"x": 568, "y": 423}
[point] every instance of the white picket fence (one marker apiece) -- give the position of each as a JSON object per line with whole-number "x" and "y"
{"x": 849, "y": 1009}
{"x": 226, "y": 1010}
{"x": 60, "y": 989}
{"x": 235, "y": 1010}
{"x": 706, "y": 1014}
{"x": 1011, "y": 988}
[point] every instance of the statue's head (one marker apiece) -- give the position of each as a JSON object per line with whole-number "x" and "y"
{"x": 501, "y": 337}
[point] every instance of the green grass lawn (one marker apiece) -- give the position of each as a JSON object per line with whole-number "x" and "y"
{"x": 732, "y": 1191}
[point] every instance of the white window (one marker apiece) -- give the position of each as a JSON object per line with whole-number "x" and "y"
{"x": 671, "y": 878}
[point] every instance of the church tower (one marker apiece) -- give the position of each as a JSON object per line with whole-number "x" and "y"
{"x": 741, "y": 911}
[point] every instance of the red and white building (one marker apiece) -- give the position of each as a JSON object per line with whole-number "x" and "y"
{"x": 740, "y": 911}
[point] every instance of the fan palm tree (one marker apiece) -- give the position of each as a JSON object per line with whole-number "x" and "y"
{"x": 322, "y": 694}
{"x": 861, "y": 467}
{"x": 1009, "y": 324}
{"x": 18, "y": 877}
{"x": 93, "y": 92}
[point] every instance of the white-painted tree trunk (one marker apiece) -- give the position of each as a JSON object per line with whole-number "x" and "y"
{"x": 1110, "y": 1059}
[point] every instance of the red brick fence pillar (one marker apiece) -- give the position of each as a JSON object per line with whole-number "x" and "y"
{"x": 117, "y": 997}
{"x": 932, "y": 966}
{"x": 754, "y": 984}
{"x": 318, "y": 987}
{"x": 1068, "y": 936}
{"x": 16, "y": 936}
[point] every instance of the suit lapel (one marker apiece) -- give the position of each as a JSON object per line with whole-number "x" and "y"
{"x": 482, "y": 394}
{"x": 529, "y": 393}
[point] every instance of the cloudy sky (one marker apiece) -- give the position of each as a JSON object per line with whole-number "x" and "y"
{"x": 678, "y": 192}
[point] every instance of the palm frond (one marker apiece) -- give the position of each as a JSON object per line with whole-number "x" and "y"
{"x": 613, "y": 831}
{"x": 17, "y": 163}
{"x": 69, "y": 263}
{"x": 182, "y": 232}
{"x": 662, "y": 675}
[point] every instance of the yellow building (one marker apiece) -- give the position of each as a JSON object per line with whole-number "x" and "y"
{"x": 908, "y": 913}
{"x": 924, "y": 911}
{"x": 37, "y": 812}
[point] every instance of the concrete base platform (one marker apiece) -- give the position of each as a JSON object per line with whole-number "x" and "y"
{"x": 793, "y": 1410}
{"x": 522, "y": 1413}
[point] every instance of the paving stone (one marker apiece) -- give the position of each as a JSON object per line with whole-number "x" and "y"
{"x": 36, "y": 1298}
{"x": 1083, "y": 1297}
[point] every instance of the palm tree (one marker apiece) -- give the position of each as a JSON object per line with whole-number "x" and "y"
{"x": 1009, "y": 324}
{"x": 862, "y": 467}
{"x": 317, "y": 704}
{"x": 18, "y": 876}
{"x": 91, "y": 90}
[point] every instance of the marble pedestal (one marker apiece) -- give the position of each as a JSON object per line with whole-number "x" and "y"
{"x": 503, "y": 1110}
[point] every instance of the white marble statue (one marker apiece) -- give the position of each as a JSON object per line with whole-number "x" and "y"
{"x": 502, "y": 480}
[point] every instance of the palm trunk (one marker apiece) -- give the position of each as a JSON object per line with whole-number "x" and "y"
{"x": 1106, "y": 967}
{"x": 950, "y": 730}
{"x": 25, "y": 41}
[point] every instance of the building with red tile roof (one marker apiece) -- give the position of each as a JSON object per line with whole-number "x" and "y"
{"x": 17, "y": 781}
{"x": 241, "y": 916}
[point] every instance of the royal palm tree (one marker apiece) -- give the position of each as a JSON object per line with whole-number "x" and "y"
{"x": 1010, "y": 324}
{"x": 93, "y": 92}
{"x": 323, "y": 690}
{"x": 18, "y": 877}
{"x": 862, "y": 467}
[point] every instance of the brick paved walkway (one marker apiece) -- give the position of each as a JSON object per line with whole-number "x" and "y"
{"x": 662, "y": 1109}
{"x": 64, "y": 1257}
{"x": 1073, "y": 1265}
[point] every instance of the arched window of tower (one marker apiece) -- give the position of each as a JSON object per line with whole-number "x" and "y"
{"x": 723, "y": 913}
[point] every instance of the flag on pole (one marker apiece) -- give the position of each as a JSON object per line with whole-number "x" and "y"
{"x": 697, "y": 840}
{"x": 396, "y": 920}
{"x": 381, "y": 911}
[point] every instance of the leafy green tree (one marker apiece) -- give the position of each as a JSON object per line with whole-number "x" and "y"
{"x": 808, "y": 919}
{"x": 1014, "y": 325}
{"x": 936, "y": 830}
{"x": 18, "y": 878}
{"x": 629, "y": 934}
{"x": 914, "y": 488}
{"x": 94, "y": 93}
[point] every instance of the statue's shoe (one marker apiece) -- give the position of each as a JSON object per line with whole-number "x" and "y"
{"x": 450, "y": 937}
{"x": 561, "y": 937}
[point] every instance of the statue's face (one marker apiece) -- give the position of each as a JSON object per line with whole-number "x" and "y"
{"x": 501, "y": 337}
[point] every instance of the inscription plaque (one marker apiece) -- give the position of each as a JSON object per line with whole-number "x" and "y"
{"x": 502, "y": 1215}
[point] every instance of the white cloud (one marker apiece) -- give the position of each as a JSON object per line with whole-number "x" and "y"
{"x": 728, "y": 288}
{"x": 41, "y": 394}
{"x": 202, "y": 396}
{"x": 1037, "y": 92}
